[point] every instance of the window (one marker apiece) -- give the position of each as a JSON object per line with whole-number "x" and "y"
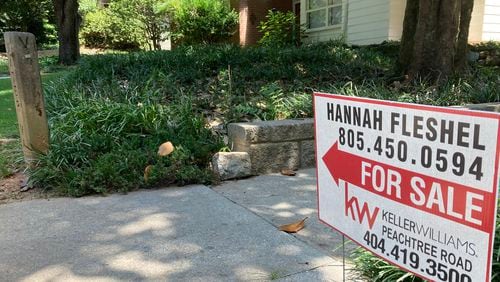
{"x": 323, "y": 13}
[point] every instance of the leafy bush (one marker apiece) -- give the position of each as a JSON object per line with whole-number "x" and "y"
{"x": 154, "y": 22}
{"x": 104, "y": 28}
{"x": 125, "y": 25}
{"x": 28, "y": 16}
{"x": 87, "y": 6}
{"x": 200, "y": 21}
{"x": 280, "y": 29}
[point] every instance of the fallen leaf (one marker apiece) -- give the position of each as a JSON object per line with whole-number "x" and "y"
{"x": 288, "y": 172}
{"x": 293, "y": 227}
{"x": 147, "y": 172}
{"x": 165, "y": 149}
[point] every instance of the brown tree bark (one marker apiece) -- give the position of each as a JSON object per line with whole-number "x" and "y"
{"x": 462, "y": 46}
{"x": 68, "y": 24}
{"x": 407, "y": 39}
{"x": 434, "y": 40}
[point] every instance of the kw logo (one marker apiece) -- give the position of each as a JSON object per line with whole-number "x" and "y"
{"x": 352, "y": 206}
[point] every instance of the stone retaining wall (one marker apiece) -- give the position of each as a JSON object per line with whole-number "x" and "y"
{"x": 486, "y": 107}
{"x": 273, "y": 145}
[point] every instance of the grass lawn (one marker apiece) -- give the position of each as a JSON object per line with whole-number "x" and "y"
{"x": 4, "y": 68}
{"x": 8, "y": 120}
{"x": 10, "y": 153}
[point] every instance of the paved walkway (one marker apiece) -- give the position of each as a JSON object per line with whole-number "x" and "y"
{"x": 192, "y": 233}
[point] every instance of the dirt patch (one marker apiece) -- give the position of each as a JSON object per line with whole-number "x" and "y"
{"x": 10, "y": 190}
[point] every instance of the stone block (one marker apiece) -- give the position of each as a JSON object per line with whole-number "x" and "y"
{"x": 487, "y": 107}
{"x": 231, "y": 165}
{"x": 271, "y": 131}
{"x": 272, "y": 157}
{"x": 307, "y": 154}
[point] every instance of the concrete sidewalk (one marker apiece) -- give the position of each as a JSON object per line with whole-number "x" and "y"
{"x": 177, "y": 234}
{"x": 282, "y": 199}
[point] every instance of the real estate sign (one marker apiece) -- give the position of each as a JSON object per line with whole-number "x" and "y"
{"x": 416, "y": 185}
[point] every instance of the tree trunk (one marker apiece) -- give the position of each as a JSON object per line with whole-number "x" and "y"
{"x": 68, "y": 24}
{"x": 462, "y": 46}
{"x": 407, "y": 39}
{"x": 434, "y": 40}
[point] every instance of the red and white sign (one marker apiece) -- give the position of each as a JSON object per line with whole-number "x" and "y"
{"x": 416, "y": 185}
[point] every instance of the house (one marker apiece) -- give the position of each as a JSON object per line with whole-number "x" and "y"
{"x": 359, "y": 22}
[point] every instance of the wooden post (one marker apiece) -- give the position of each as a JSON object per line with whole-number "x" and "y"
{"x": 28, "y": 96}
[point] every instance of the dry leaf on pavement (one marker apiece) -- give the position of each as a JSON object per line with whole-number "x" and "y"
{"x": 293, "y": 227}
{"x": 288, "y": 172}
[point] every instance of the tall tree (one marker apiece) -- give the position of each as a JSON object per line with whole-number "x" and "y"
{"x": 434, "y": 40}
{"x": 68, "y": 24}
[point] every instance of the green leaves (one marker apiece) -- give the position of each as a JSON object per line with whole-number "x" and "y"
{"x": 280, "y": 29}
{"x": 125, "y": 25}
{"x": 200, "y": 21}
{"x": 99, "y": 145}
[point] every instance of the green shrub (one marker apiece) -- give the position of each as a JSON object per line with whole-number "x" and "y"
{"x": 87, "y": 6}
{"x": 104, "y": 28}
{"x": 280, "y": 29}
{"x": 152, "y": 23}
{"x": 34, "y": 16}
{"x": 200, "y": 21}
{"x": 125, "y": 25}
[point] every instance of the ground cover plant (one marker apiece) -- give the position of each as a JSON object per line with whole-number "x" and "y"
{"x": 110, "y": 114}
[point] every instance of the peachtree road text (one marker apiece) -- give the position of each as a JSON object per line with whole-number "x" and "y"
{"x": 416, "y": 185}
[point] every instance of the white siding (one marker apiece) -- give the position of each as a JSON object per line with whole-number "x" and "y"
{"x": 397, "y": 14}
{"x": 321, "y": 34}
{"x": 476, "y": 22}
{"x": 373, "y": 21}
{"x": 491, "y": 20}
{"x": 367, "y": 21}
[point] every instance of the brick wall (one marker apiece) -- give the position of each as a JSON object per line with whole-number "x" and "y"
{"x": 252, "y": 12}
